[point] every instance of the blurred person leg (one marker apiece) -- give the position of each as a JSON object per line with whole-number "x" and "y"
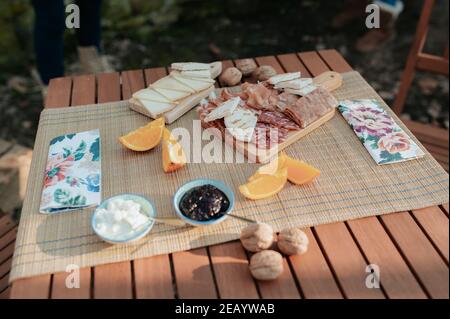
{"x": 376, "y": 38}
{"x": 48, "y": 39}
{"x": 89, "y": 37}
{"x": 352, "y": 10}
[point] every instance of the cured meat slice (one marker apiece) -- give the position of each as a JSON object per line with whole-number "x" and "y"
{"x": 311, "y": 107}
{"x": 258, "y": 96}
{"x": 278, "y": 119}
{"x": 285, "y": 99}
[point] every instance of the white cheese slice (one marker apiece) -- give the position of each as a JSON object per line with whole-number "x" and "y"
{"x": 241, "y": 124}
{"x": 180, "y": 74}
{"x": 157, "y": 108}
{"x": 197, "y": 73}
{"x": 296, "y": 84}
{"x": 197, "y": 86}
{"x": 168, "y": 82}
{"x": 172, "y": 95}
{"x": 303, "y": 91}
{"x": 223, "y": 110}
{"x": 284, "y": 77}
{"x": 150, "y": 95}
{"x": 190, "y": 66}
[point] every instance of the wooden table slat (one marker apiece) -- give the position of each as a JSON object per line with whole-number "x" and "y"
{"x": 194, "y": 275}
{"x": 233, "y": 277}
{"x": 59, "y": 92}
{"x": 153, "y": 278}
{"x": 83, "y": 91}
{"x": 419, "y": 252}
{"x": 396, "y": 278}
{"x": 435, "y": 224}
{"x": 313, "y": 63}
{"x": 335, "y": 61}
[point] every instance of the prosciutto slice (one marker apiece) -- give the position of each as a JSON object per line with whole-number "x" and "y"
{"x": 311, "y": 107}
{"x": 278, "y": 119}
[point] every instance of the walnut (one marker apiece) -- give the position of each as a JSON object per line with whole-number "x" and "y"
{"x": 257, "y": 237}
{"x": 264, "y": 72}
{"x": 266, "y": 265}
{"x": 246, "y": 66}
{"x": 231, "y": 76}
{"x": 293, "y": 241}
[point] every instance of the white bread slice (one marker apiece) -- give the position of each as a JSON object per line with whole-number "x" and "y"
{"x": 284, "y": 77}
{"x": 150, "y": 95}
{"x": 189, "y": 66}
{"x": 172, "y": 95}
{"x": 194, "y": 84}
{"x": 168, "y": 82}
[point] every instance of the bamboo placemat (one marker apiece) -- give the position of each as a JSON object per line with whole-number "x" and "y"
{"x": 351, "y": 186}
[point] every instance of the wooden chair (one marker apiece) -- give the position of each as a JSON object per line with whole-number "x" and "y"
{"x": 8, "y": 231}
{"x": 435, "y": 139}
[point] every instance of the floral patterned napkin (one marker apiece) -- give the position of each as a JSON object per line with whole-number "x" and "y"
{"x": 381, "y": 136}
{"x": 73, "y": 174}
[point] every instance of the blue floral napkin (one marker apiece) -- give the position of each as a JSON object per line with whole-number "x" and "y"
{"x": 382, "y": 137}
{"x": 72, "y": 177}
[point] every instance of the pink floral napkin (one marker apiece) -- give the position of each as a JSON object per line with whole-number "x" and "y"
{"x": 72, "y": 177}
{"x": 381, "y": 136}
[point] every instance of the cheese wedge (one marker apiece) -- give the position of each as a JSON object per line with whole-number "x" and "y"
{"x": 225, "y": 109}
{"x": 152, "y": 108}
{"x": 150, "y": 95}
{"x": 197, "y": 73}
{"x": 296, "y": 84}
{"x": 216, "y": 69}
{"x": 168, "y": 82}
{"x": 194, "y": 84}
{"x": 171, "y": 95}
{"x": 190, "y": 66}
{"x": 303, "y": 91}
{"x": 284, "y": 77}
{"x": 241, "y": 124}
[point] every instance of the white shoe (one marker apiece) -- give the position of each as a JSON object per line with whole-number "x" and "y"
{"x": 93, "y": 62}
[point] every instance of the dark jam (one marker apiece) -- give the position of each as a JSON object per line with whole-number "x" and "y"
{"x": 204, "y": 202}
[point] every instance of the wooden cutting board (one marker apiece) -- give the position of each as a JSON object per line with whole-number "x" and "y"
{"x": 328, "y": 80}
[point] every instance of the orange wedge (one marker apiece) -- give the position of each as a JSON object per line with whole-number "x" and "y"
{"x": 173, "y": 156}
{"x": 271, "y": 168}
{"x": 159, "y": 122}
{"x": 265, "y": 185}
{"x": 299, "y": 172}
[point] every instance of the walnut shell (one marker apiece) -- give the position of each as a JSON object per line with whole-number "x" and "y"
{"x": 266, "y": 265}
{"x": 257, "y": 237}
{"x": 293, "y": 241}
{"x": 231, "y": 76}
{"x": 246, "y": 66}
{"x": 264, "y": 72}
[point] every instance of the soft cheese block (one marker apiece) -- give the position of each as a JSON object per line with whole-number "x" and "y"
{"x": 241, "y": 124}
{"x": 296, "y": 84}
{"x": 194, "y": 84}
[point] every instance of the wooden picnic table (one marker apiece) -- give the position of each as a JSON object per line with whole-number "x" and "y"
{"x": 410, "y": 248}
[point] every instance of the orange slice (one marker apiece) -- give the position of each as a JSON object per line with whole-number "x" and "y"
{"x": 159, "y": 122}
{"x": 271, "y": 168}
{"x": 299, "y": 172}
{"x": 265, "y": 185}
{"x": 144, "y": 138}
{"x": 173, "y": 156}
